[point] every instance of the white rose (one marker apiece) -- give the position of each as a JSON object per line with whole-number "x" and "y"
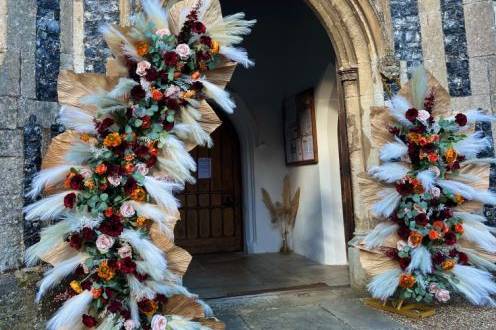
{"x": 141, "y": 168}
{"x": 159, "y": 322}
{"x": 142, "y": 67}
{"x": 114, "y": 180}
{"x": 183, "y": 51}
{"x": 161, "y": 33}
{"x": 436, "y": 192}
{"x": 442, "y": 295}
{"x": 423, "y": 115}
{"x": 129, "y": 325}
{"x": 104, "y": 243}
{"x": 127, "y": 210}
{"x": 172, "y": 91}
{"x": 125, "y": 251}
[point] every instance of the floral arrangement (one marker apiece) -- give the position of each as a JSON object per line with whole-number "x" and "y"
{"x": 111, "y": 177}
{"x": 432, "y": 186}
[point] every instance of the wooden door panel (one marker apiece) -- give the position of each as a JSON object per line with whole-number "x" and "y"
{"x": 211, "y": 212}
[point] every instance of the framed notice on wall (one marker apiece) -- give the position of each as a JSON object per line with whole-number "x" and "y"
{"x": 300, "y": 135}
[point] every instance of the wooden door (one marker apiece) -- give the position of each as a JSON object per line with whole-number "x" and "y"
{"x": 211, "y": 215}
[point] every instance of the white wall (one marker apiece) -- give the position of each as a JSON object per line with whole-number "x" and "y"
{"x": 292, "y": 53}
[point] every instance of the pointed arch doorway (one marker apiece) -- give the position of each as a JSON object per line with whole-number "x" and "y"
{"x": 211, "y": 212}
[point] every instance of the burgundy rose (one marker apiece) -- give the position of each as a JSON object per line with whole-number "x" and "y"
{"x": 198, "y": 27}
{"x": 168, "y": 126}
{"x": 462, "y": 258}
{"x": 111, "y": 227}
{"x": 146, "y": 305}
{"x": 197, "y": 86}
{"x": 88, "y": 234}
{"x": 171, "y": 58}
{"x": 203, "y": 56}
{"x": 453, "y": 253}
{"x": 140, "y": 277}
{"x": 114, "y": 306}
{"x": 131, "y": 185}
{"x": 89, "y": 321}
{"x": 404, "y": 232}
{"x": 126, "y": 265}
{"x": 429, "y": 102}
{"x": 164, "y": 75}
{"x": 461, "y": 119}
{"x": 206, "y": 40}
{"x": 438, "y": 258}
{"x": 87, "y": 285}
{"x": 421, "y": 219}
{"x": 125, "y": 314}
{"x": 151, "y": 74}
{"x": 75, "y": 241}
{"x": 70, "y": 200}
{"x": 79, "y": 271}
{"x": 450, "y": 238}
{"x": 104, "y": 124}
{"x": 394, "y": 130}
{"x": 151, "y": 162}
{"x": 411, "y": 114}
{"x": 404, "y": 188}
{"x": 446, "y": 213}
{"x": 161, "y": 298}
{"x": 172, "y": 103}
{"x": 109, "y": 292}
{"x": 77, "y": 182}
{"x": 138, "y": 93}
{"x": 404, "y": 262}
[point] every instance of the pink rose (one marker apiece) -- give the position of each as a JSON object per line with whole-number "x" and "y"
{"x": 442, "y": 295}
{"x": 127, "y": 210}
{"x": 423, "y": 115}
{"x": 141, "y": 168}
{"x": 142, "y": 67}
{"x": 104, "y": 243}
{"x": 125, "y": 251}
{"x": 172, "y": 91}
{"x": 162, "y": 32}
{"x": 436, "y": 192}
{"x": 433, "y": 288}
{"x": 183, "y": 51}
{"x": 159, "y": 322}
{"x": 129, "y": 325}
{"x": 114, "y": 180}
{"x": 400, "y": 245}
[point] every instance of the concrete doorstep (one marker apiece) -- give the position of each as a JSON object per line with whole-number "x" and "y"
{"x": 317, "y": 307}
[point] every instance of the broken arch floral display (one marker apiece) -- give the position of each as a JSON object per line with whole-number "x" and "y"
{"x": 110, "y": 178}
{"x": 432, "y": 185}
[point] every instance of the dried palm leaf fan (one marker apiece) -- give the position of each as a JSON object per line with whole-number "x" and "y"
{"x": 427, "y": 194}
{"x": 283, "y": 213}
{"x": 111, "y": 176}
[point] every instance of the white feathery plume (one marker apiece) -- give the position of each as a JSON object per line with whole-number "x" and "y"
{"x": 190, "y": 129}
{"x": 479, "y": 234}
{"x": 470, "y": 217}
{"x": 78, "y": 153}
{"x": 158, "y": 215}
{"x": 148, "y": 251}
{"x": 478, "y": 115}
{"x": 390, "y": 199}
{"x": 79, "y": 220}
{"x": 467, "y": 192}
{"x": 219, "y": 95}
{"x": 427, "y": 178}
{"x": 379, "y": 234}
{"x": 48, "y": 177}
{"x": 112, "y": 35}
{"x": 176, "y": 160}
{"x": 389, "y": 172}
{"x": 50, "y": 237}
{"x": 138, "y": 290}
{"x": 384, "y": 285}
{"x": 486, "y": 160}
{"x": 230, "y": 29}
{"x": 472, "y": 145}
{"x": 48, "y": 208}
{"x": 58, "y": 273}
{"x": 161, "y": 192}
{"x": 122, "y": 88}
{"x": 169, "y": 289}
{"x": 477, "y": 260}
{"x": 76, "y": 119}
{"x": 421, "y": 260}
{"x": 475, "y": 284}
{"x": 133, "y": 309}
{"x": 144, "y": 267}
{"x": 419, "y": 87}
{"x": 177, "y": 322}
{"x": 69, "y": 315}
{"x": 104, "y": 103}
{"x": 156, "y": 13}
{"x": 393, "y": 150}
{"x": 237, "y": 54}
{"x": 398, "y": 109}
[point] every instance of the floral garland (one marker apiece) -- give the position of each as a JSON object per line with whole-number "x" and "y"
{"x": 429, "y": 161}
{"x": 121, "y": 172}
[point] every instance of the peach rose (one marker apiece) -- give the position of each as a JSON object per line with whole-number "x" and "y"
{"x": 423, "y": 115}
{"x": 162, "y": 32}
{"x": 104, "y": 243}
{"x": 129, "y": 325}
{"x": 183, "y": 51}
{"x": 159, "y": 322}
{"x": 142, "y": 67}
{"x": 442, "y": 295}
{"x": 114, "y": 180}
{"x": 127, "y": 210}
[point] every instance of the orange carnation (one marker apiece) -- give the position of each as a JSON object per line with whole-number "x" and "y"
{"x": 448, "y": 264}
{"x": 85, "y": 137}
{"x": 407, "y": 281}
{"x": 141, "y": 221}
{"x": 433, "y": 235}
{"x": 105, "y": 272}
{"x": 459, "y": 199}
{"x": 108, "y": 212}
{"x": 215, "y": 47}
{"x": 450, "y": 155}
{"x": 112, "y": 140}
{"x": 101, "y": 169}
{"x": 138, "y": 194}
{"x": 157, "y": 95}
{"x": 432, "y": 157}
{"x": 142, "y": 48}
{"x": 440, "y": 226}
{"x": 413, "y": 137}
{"x": 459, "y": 228}
{"x": 415, "y": 238}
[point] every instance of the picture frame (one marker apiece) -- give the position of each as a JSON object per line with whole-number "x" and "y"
{"x": 300, "y": 133}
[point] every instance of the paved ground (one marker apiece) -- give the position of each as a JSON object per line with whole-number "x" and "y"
{"x": 313, "y": 309}
{"x": 224, "y": 275}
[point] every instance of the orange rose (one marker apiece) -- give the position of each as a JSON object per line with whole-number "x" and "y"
{"x": 138, "y": 194}
{"x": 142, "y": 48}
{"x": 109, "y": 212}
{"x": 157, "y": 95}
{"x": 141, "y": 221}
{"x": 129, "y": 168}
{"x": 448, "y": 264}
{"x": 195, "y": 75}
{"x": 433, "y": 235}
{"x": 415, "y": 238}
{"x": 413, "y": 137}
{"x": 105, "y": 272}
{"x": 440, "y": 226}
{"x": 112, "y": 140}
{"x": 459, "y": 228}
{"x": 407, "y": 281}
{"x": 101, "y": 169}
{"x": 450, "y": 155}
{"x": 433, "y": 157}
